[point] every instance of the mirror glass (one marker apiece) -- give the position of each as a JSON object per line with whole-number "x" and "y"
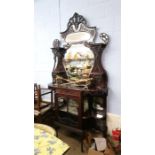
{"x": 78, "y": 62}
{"x": 77, "y": 37}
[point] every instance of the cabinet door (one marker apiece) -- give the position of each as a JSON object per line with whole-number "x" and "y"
{"x": 68, "y": 111}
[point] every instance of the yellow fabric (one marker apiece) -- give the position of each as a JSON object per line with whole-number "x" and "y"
{"x": 46, "y": 128}
{"x": 47, "y": 144}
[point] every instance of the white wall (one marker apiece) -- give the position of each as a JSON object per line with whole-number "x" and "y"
{"x": 104, "y": 14}
{"x": 46, "y": 27}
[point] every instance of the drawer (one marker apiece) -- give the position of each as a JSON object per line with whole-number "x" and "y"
{"x": 68, "y": 92}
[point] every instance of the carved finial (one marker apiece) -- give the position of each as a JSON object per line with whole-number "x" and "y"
{"x": 76, "y": 20}
{"x": 56, "y": 43}
{"x": 105, "y": 38}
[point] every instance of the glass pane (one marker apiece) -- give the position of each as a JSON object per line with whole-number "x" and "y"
{"x": 99, "y": 110}
{"x": 62, "y": 104}
{"x": 73, "y": 107}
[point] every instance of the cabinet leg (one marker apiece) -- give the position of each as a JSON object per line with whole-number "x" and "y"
{"x": 82, "y": 145}
{"x": 82, "y": 138}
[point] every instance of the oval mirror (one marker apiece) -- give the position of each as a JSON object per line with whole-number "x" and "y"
{"x": 78, "y": 62}
{"x": 77, "y": 37}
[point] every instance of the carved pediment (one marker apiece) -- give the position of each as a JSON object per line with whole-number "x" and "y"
{"x": 78, "y": 31}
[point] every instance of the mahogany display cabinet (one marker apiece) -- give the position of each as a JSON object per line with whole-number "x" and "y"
{"x": 79, "y": 80}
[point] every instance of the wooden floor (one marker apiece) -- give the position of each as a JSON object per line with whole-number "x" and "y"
{"x": 72, "y": 140}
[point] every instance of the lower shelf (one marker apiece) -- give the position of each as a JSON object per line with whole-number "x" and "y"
{"x": 68, "y": 119}
{"x": 73, "y": 129}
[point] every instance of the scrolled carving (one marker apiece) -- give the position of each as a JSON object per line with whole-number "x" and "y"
{"x": 105, "y": 38}
{"x": 66, "y": 46}
{"x": 78, "y": 24}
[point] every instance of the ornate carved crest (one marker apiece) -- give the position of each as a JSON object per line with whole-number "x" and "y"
{"x": 76, "y": 20}
{"x": 77, "y": 24}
